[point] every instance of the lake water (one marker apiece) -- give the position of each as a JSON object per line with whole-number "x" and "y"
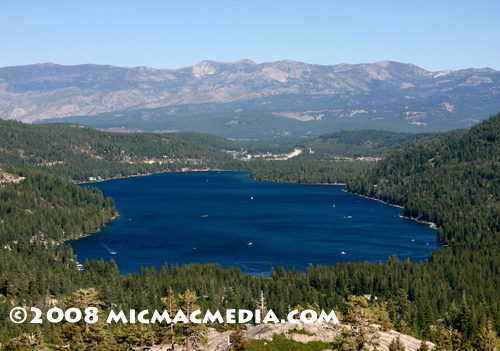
{"x": 231, "y": 219}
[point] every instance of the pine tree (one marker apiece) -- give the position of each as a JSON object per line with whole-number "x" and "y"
{"x": 424, "y": 346}
{"x": 400, "y": 345}
{"x": 70, "y": 333}
{"x": 397, "y": 345}
{"x": 169, "y": 303}
{"x": 83, "y": 299}
{"x": 261, "y": 304}
{"x": 193, "y": 332}
{"x": 360, "y": 335}
{"x": 39, "y": 340}
{"x": 238, "y": 340}
{"x": 393, "y": 346}
{"x": 403, "y": 327}
{"x": 488, "y": 338}
{"x": 25, "y": 342}
{"x": 98, "y": 335}
{"x": 381, "y": 316}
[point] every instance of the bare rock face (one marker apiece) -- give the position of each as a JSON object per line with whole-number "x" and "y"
{"x": 218, "y": 341}
{"x": 266, "y": 331}
{"x": 409, "y": 342}
{"x": 325, "y": 332}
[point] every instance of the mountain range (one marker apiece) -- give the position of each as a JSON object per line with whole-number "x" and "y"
{"x": 244, "y": 99}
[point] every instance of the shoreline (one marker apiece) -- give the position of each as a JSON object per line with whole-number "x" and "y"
{"x": 111, "y": 178}
{"x": 372, "y": 198}
{"x": 432, "y": 225}
{"x": 148, "y": 174}
{"x": 201, "y": 170}
{"x": 86, "y": 235}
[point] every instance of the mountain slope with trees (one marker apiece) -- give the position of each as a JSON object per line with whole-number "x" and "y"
{"x": 453, "y": 182}
{"x": 79, "y": 152}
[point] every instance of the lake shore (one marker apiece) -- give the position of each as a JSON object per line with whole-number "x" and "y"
{"x": 431, "y": 224}
{"x": 148, "y": 174}
{"x": 372, "y": 198}
{"x": 86, "y": 235}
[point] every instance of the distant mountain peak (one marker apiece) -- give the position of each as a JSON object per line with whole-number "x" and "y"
{"x": 382, "y": 63}
{"x": 247, "y": 62}
{"x": 47, "y": 64}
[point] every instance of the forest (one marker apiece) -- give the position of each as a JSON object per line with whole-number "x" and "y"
{"x": 451, "y": 299}
{"x": 78, "y": 153}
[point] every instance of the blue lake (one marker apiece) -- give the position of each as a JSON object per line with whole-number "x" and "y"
{"x": 231, "y": 219}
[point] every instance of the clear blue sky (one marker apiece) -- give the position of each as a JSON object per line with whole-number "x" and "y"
{"x": 435, "y": 35}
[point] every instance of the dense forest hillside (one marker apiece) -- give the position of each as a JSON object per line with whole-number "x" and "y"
{"x": 50, "y": 209}
{"x": 79, "y": 152}
{"x": 208, "y": 141}
{"x": 367, "y": 143}
{"x": 451, "y": 182}
{"x": 334, "y": 157}
{"x": 82, "y": 153}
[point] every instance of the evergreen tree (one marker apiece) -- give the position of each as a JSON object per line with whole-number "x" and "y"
{"x": 238, "y": 340}
{"x": 424, "y": 346}
{"x": 360, "y": 335}
{"x": 69, "y": 335}
{"x": 193, "y": 333}
{"x": 170, "y": 305}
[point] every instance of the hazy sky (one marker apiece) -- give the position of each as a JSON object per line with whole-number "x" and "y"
{"x": 435, "y": 35}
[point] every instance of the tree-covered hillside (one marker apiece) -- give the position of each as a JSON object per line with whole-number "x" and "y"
{"x": 452, "y": 182}
{"x": 80, "y": 152}
{"x": 367, "y": 143}
{"x": 48, "y": 207}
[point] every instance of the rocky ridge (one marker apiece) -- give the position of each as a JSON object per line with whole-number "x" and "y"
{"x": 315, "y": 332}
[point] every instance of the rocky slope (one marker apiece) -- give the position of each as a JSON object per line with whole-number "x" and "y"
{"x": 315, "y": 332}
